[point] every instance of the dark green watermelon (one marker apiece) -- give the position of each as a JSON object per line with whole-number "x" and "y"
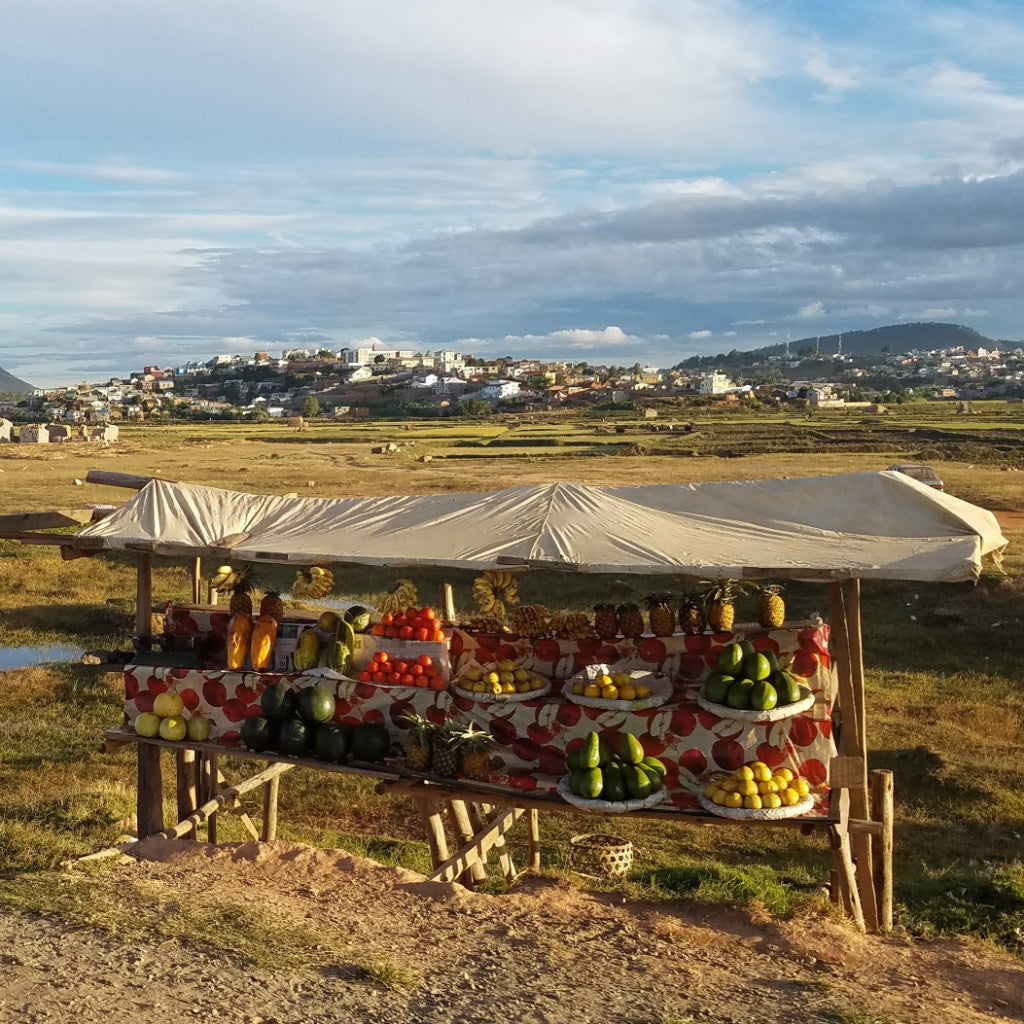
{"x": 331, "y": 743}
{"x": 295, "y": 738}
{"x": 370, "y": 742}
{"x": 278, "y": 702}
{"x": 258, "y": 734}
{"x": 315, "y": 704}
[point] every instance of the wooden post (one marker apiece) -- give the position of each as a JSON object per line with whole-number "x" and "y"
{"x": 448, "y": 602}
{"x": 430, "y": 812}
{"x": 212, "y": 771}
{"x": 270, "y": 789}
{"x": 882, "y": 810}
{"x": 197, "y": 580}
{"x": 186, "y": 772}
{"x": 533, "y": 837}
{"x": 460, "y": 815}
{"x": 504, "y": 858}
{"x": 144, "y": 598}
{"x": 150, "y": 796}
{"x": 845, "y": 612}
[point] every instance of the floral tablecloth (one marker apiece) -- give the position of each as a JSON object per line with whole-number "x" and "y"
{"x": 533, "y": 736}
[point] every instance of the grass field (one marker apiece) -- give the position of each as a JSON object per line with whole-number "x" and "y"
{"x": 945, "y": 699}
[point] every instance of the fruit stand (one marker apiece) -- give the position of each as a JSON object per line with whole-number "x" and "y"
{"x": 548, "y": 701}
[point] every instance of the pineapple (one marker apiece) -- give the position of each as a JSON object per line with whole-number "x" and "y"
{"x": 475, "y": 748}
{"x": 720, "y": 600}
{"x": 660, "y": 614}
{"x": 272, "y": 605}
{"x": 444, "y": 748}
{"x": 418, "y": 747}
{"x": 241, "y": 598}
{"x": 606, "y": 622}
{"x": 771, "y": 609}
{"x": 631, "y": 620}
{"x": 692, "y": 619}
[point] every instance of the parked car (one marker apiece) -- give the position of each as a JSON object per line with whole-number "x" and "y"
{"x": 921, "y": 473}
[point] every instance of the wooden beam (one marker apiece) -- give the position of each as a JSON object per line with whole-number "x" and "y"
{"x": 463, "y": 825}
{"x": 477, "y": 848}
{"x": 150, "y": 794}
{"x": 28, "y": 537}
{"x": 270, "y": 790}
{"x": 882, "y": 808}
{"x": 197, "y": 580}
{"x": 533, "y": 837}
{"x": 430, "y": 812}
{"x": 185, "y": 763}
{"x": 487, "y": 814}
{"x": 448, "y": 602}
{"x": 55, "y": 520}
{"x": 128, "y": 480}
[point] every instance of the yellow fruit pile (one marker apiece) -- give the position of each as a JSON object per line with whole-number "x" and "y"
{"x": 167, "y": 721}
{"x": 617, "y": 686}
{"x": 755, "y": 787}
{"x": 499, "y": 678}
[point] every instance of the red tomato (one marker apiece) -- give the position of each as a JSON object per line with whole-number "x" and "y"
{"x": 425, "y": 660}
{"x": 407, "y": 680}
{"x": 416, "y": 669}
{"x": 365, "y": 677}
{"x": 379, "y": 630}
{"x": 411, "y": 613}
{"x": 382, "y": 656}
{"x": 438, "y": 636}
{"x": 437, "y": 683}
{"x": 421, "y": 634}
{"x": 387, "y": 618}
{"x": 427, "y": 613}
{"x": 394, "y": 677}
{"x": 406, "y": 632}
{"x": 392, "y": 631}
{"x": 379, "y": 677}
{"x": 400, "y": 667}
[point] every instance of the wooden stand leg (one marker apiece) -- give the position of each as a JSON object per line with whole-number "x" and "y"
{"x": 430, "y": 811}
{"x": 186, "y": 771}
{"x": 504, "y": 858}
{"x": 236, "y": 807}
{"x": 150, "y": 797}
{"x": 842, "y": 860}
{"x": 533, "y": 837}
{"x": 269, "y": 833}
{"x": 460, "y": 815}
{"x": 882, "y": 810}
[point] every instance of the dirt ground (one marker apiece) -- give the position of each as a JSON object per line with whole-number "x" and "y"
{"x": 545, "y": 952}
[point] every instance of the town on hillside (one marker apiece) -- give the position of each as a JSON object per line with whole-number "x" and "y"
{"x": 376, "y": 381}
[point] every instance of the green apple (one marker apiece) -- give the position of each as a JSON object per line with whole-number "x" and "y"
{"x": 198, "y": 728}
{"x": 147, "y": 724}
{"x": 168, "y": 705}
{"x": 173, "y": 728}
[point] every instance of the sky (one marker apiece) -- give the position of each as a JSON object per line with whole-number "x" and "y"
{"x": 610, "y": 181}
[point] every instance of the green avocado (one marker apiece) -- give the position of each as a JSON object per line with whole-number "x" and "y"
{"x": 591, "y": 756}
{"x": 655, "y": 764}
{"x": 638, "y": 784}
{"x": 738, "y": 697}
{"x": 717, "y": 686}
{"x": 630, "y": 749}
{"x": 591, "y": 783}
{"x": 763, "y": 697}
{"x": 614, "y": 783}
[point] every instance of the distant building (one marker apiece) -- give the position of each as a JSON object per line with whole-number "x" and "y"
{"x": 716, "y": 383}
{"x": 495, "y": 390}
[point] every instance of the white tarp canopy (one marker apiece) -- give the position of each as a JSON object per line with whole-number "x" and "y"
{"x": 868, "y": 525}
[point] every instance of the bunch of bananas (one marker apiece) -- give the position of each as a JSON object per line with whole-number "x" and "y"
{"x": 531, "y": 620}
{"x": 225, "y": 579}
{"x": 401, "y": 596}
{"x": 571, "y": 625}
{"x": 484, "y": 624}
{"x": 314, "y": 582}
{"x": 494, "y": 590}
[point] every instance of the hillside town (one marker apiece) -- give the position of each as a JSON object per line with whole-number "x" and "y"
{"x": 376, "y": 380}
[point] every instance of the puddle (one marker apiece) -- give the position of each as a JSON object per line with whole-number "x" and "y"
{"x": 27, "y": 655}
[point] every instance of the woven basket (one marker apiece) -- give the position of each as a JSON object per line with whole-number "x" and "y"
{"x": 596, "y": 854}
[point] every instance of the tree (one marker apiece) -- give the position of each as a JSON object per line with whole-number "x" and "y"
{"x": 260, "y": 414}
{"x": 310, "y": 407}
{"x": 380, "y": 358}
{"x": 474, "y": 407}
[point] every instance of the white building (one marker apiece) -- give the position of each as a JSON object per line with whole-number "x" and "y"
{"x": 495, "y": 390}
{"x": 716, "y": 383}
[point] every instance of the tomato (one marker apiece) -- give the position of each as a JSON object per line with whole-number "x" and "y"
{"x": 379, "y": 630}
{"x": 421, "y": 634}
{"x": 394, "y": 677}
{"x": 400, "y": 620}
{"x": 407, "y": 680}
{"x": 427, "y": 613}
{"x": 411, "y": 613}
{"x": 387, "y": 619}
{"x": 406, "y": 632}
{"x": 382, "y": 657}
{"x": 392, "y": 631}
{"x": 401, "y": 667}
{"x": 379, "y": 677}
{"x": 425, "y": 660}
{"x": 416, "y": 669}
{"x": 365, "y": 677}
{"x": 437, "y": 683}
{"x": 421, "y": 680}
{"x": 438, "y": 636}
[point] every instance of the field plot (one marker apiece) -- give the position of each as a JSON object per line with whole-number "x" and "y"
{"x": 945, "y": 699}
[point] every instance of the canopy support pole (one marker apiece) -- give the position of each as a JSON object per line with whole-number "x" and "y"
{"x": 144, "y": 599}
{"x": 197, "y": 580}
{"x": 845, "y": 614}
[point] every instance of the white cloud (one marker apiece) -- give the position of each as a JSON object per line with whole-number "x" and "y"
{"x": 812, "y": 311}
{"x": 119, "y": 170}
{"x": 938, "y": 313}
{"x": 699, "y": 334}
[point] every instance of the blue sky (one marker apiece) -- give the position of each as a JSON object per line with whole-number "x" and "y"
{"x": 608, "y": 180}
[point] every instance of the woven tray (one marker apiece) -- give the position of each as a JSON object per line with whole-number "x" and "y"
{"x": 765, "y": 814}
{"x": 777, "y": 714}
{"x": 607, "y": 806}
{"x": 501, "y": 698}
{"x": 661, "y": 691}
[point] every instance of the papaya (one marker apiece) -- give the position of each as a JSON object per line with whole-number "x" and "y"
{"x": 763, "y": 697}
{"x": 638, "y": 785}
{"x": 630, "y": 749}
{"x": 591, "y": 783}
{"x": 717, "y": 686}
{"x": 591, "y": 756}
{"x": 614, "y": 783}
{"x": 261, "y": 645}
{"x": 239, "y": 638}
{"x": 307, "y": 652}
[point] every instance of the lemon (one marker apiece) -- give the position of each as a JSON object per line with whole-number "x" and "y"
{"x": 474, "y": 673}
{"x": 720, "y": 798}
{"x": 524, "y": 686}
{"x": 733, "y": 800}
{"x": 167, "y": 705}
{"x": 709, "y": 790}
{"x": 772, "y": 800}
{"x": 505, "y": 677}
{"x": 642, "y": 692}
{"x": 538, "y": 682}
{"x": 785, "y": 773}
{"x": 627, "y": 692}
{"x": 592, "y": 690}
{"x": 757, "y": 764}
{"x": 603, "y": 679}
{"x": 609, "y": 692}
{"x": 480, "y": 687}
{"x": 748, "y": 787}
{"x": 508, "y": 687}
{"x": 780, "y": 780}
{"x": 520, "y": 675}
{"x": 762, "y": 773}
{"x": 731, "y": 784}
{"x": 752, "y": 803}
{"x": 767, "y": 787}
{"x": 746, "y": 772}
{"x": 493, "y": 677}
{"x": 803, "y": 787}
{"x": 506, "y": 665}
{"x": 622, "y": 679}
{"x": 578, "y": 688}
{"x": 789, "y": 797}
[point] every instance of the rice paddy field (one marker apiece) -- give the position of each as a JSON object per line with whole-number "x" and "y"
{"x": 945, "y": 663}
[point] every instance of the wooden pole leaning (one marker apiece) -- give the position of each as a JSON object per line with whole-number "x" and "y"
{"x": 185, "y": 761}
{"x": 460, "y": 815}
{"x": 882, "y": 809}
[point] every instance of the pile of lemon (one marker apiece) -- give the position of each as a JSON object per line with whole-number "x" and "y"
{"x": 755, "y": 787}
{"x": 619, "y": 686}
{"x": 498, "y": 678}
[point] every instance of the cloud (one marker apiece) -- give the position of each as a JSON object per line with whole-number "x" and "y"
{"x": 115, "y": 170}
{"x": 699, "y": 334}
{"x": 812, "y": 311}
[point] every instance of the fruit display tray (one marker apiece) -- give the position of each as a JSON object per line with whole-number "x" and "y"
{"x": 661, "y": 691}
{"x": 501, "y": 698}
{"x": 777, "y": 714}
{"x": 608, "y": 806}
{"x": 765, "y": 814}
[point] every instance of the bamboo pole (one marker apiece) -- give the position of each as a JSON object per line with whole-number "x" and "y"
{"x": 270, "y": 790}
{"x": 489, "y": 816}
{"x": 451, "y": 868}
{"x": 185, "y": 761}
{"x": 882, "y": 808}
{"x": 212, "y": 771}
{"x": 533, "y": 837}
{"x": 460, "y": 815}
{"x": 430, "y": 812}
{"x": 448, "y": 602}
{"x": 150, "y": 794}
{"x": 197, "y": 580}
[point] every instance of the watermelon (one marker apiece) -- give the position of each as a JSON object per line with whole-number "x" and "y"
{"x": 295, "y": 738}
{"x": 331, "y": 743}
{"x": 278, "y": 702}
{"x": 370, "y": 742}
{"x": 258, "y": 734}
{"x": 315, "y": 704}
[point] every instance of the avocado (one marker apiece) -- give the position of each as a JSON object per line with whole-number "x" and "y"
{"x": 614, "y": 783}
{"x": 604, "y": 753}
{"x": 738, "y": 696}
{"x": 591, "y": 756}
{"x": 630, "y": 749}
{"x": 653, "y": 762}
{"x": 763, "y": 697}
{"x": 591, "y": 783}
{"x": 638, "y": 785}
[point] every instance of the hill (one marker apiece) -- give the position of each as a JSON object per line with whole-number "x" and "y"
{"x": 894, "y": 338}
{"x": 11, "y": 385}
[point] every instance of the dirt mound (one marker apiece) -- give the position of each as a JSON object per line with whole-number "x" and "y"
{"x": 546, "y": 952}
